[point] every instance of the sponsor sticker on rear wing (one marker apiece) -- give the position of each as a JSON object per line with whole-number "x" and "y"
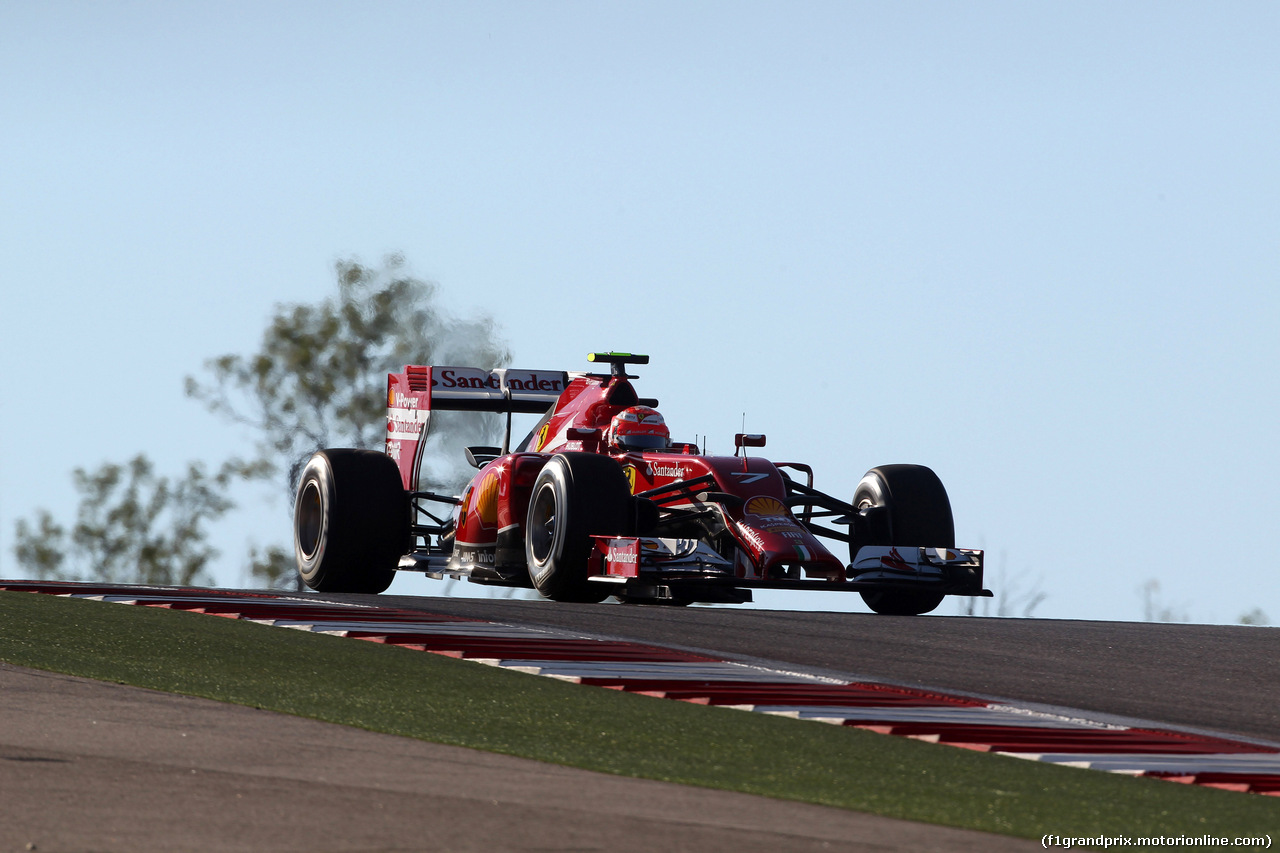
{"x": 475, "y": 390}
{"x": 421, "y": 389}
{"x": 508, "y": 389}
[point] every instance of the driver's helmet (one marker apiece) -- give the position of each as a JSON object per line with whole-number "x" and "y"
{"x": 638, "y": 428}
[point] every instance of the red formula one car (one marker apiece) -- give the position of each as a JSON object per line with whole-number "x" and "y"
{"x": 598, "y": 500}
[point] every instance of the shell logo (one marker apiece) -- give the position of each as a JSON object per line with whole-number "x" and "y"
{"x": 766, "y": 507}
{"x": 487, "y": 501}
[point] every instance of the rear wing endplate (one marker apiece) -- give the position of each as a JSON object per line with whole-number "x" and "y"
{"x": 420, "y": 389}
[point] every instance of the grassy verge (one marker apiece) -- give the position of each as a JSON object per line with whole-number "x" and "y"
{"x": 438, "y": 699}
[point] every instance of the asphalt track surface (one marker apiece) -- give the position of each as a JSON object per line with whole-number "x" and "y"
{"x": 1222, "y": 678}
{"x": 92, "y": 766}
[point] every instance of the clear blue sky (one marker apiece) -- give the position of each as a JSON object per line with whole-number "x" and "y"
{"x": 1033, "y": 246}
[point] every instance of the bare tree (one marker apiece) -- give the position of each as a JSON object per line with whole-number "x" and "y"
{"x": 1155, "y": 610}
{"x": 1014, "y": 597}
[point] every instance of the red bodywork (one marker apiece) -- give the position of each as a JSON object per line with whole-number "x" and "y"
{"x": 489, "y": 521}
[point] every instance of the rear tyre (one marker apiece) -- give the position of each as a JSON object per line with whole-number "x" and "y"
{"x": 350, "y": 521}
{"x": 576, "y": 496}
{"x": 903, "y": 505}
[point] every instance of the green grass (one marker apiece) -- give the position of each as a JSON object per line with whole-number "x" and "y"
{"x": 439, "y": 699}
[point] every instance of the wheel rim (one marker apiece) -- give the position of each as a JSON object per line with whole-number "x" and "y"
{"x": 880, "y": 534}
{"x": 542, "y": 524}
{"x": 310, "y": 513}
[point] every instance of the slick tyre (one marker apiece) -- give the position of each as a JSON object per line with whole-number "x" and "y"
{"x": 350, "y": 521}
{"x": 904, "y": 505}
{"x": 576, "y": 496}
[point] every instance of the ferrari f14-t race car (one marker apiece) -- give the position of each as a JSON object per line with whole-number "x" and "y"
{"x": 598, "y": 501}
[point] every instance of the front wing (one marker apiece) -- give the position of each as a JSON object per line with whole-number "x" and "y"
{"x": 652, "y": 567}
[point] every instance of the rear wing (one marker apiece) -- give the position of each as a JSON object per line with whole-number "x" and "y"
{"x": 419, "y": 390}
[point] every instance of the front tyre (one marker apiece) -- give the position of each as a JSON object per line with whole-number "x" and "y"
{"x": 576, "y": 496}
{"x": 350, "y": 521}
{"x": 903, "y": 505}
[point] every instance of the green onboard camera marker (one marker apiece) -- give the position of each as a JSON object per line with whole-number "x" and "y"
{"x": 618, "y": 360}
